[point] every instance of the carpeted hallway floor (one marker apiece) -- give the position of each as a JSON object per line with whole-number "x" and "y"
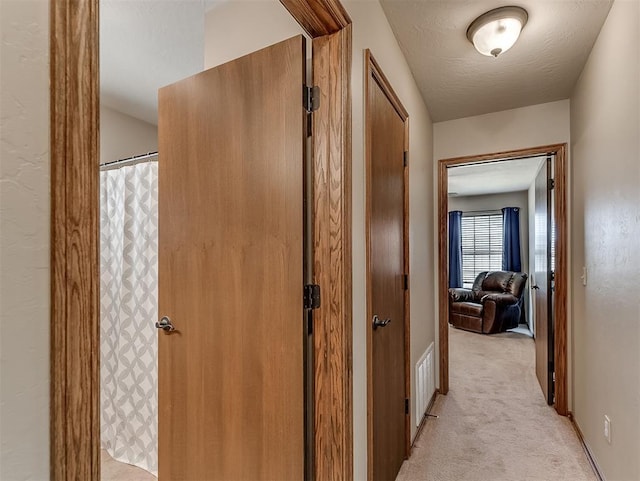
{"x": 494, "y": 424}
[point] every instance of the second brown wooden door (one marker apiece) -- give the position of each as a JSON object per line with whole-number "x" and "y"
{"x": 386, "y": 197}
{"x": 543, "y": 291}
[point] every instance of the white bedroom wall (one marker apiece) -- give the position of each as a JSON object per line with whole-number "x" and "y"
{"x": 605, "y": 144}
{"x": 123, "y": 136}
{"x": 496, "y": 202}
{"x": 24, "y": 240}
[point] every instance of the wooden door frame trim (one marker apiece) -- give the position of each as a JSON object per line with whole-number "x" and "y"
{"x": 562, "y": 262}
{"x": 373, "y": 72}
{"x": 332, "y": 271}
{"x": 320, "y": 17}
{"x": 74, "y": 320}
{"x": 75, "y": 351}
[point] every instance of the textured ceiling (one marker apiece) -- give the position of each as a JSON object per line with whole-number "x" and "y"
{"x": 494, "y": 177}
{"x": 145, "y": 45}
{"x": 456, "y": 81}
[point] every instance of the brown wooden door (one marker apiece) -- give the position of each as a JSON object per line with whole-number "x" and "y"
{"x": 230, "y": 270}
{"x": 386, "y": 270}
{"x": 542, "y": 288}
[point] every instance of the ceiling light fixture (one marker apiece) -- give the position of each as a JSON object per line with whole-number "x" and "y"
{"x": 496, "y": 31}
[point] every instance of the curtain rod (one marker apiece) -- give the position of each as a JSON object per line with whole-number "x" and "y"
{"x": 483, "y": 212}
{"x": 135, "y": 159}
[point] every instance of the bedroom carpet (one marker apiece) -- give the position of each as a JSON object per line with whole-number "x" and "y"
{"x": 494, "y": 425}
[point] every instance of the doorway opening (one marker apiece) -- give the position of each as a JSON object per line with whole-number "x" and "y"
{"x": 75, "y": 314}
{"x": 557, "y": 334}
{"x": 135, "y": 38}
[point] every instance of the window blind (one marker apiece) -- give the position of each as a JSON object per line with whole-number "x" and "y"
{"x": 481, "y": 245}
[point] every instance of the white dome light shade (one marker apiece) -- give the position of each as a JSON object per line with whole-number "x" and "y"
{"x": 497, "y": 37}
{"x": 497, "y": 31}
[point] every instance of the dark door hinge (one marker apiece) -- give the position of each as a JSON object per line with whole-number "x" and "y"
{"x": 311, "y": 296}
{"x": 405, "y": 282}
{"x": 311, "y": 98}
{"x": 309, "y": 322}
{"x": 406, "y": 405}
{"x": 405, "y": 158}
{"x": 552, "y": 184}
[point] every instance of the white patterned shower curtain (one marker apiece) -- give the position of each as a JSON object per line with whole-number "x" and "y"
{"x": 128, "y": 312}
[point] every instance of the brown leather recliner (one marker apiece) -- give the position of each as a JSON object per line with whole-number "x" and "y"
{"x": 493, "y": 304}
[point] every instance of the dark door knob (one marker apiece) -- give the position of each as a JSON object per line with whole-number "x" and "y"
{"x": 377, "y": 322}
{"x": 165, "y": 324}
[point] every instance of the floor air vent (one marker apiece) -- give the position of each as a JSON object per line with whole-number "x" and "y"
{"x": 425, "y": 383}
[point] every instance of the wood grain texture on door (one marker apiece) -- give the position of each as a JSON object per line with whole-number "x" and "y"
{"x": 230, "y": 270}
{"x": 542, "y": 286}
{"x": 386, "y": 142}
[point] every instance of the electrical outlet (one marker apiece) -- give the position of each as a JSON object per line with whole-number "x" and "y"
{"x": 607, "y": 428}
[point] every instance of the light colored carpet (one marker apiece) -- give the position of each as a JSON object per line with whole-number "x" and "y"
{"x": 494, "y": 424}
{"x": 112, "y": 470}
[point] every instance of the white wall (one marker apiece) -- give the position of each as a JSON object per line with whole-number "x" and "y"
{"x": 24, "y": 240}
{"x": 605, "y": 142}
{"x": 531, "y": 126}
{"x": 123, "y": 136}
{"x": 497, "y": 202}
{"x": 227, "y": 39}
{"x": 264, "y": 22}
